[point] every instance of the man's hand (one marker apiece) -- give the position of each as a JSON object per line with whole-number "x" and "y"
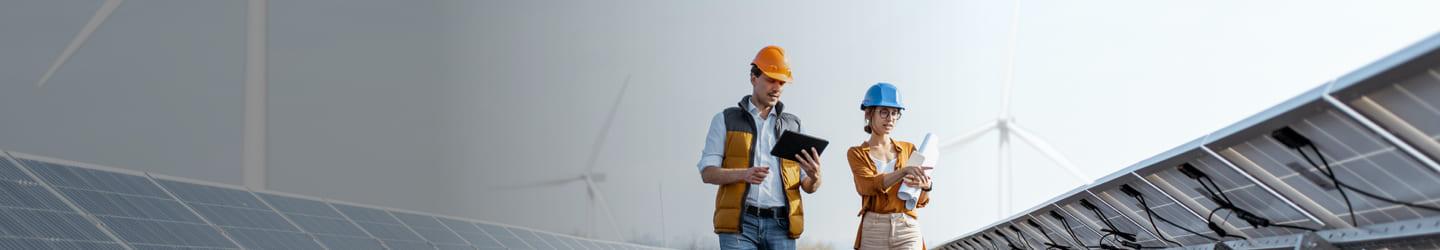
{"x": 810, "y": 162}
{"x": 721, "y": 176}
{"x": 755, "y": 175}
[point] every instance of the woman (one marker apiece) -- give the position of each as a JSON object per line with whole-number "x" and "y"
{"x": 879, "y": 168}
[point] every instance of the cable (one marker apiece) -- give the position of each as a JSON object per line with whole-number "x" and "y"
{"x": 1343, "y": 185}
{"x": 1049, "y": 245}
{"x": 1066, "y": 224}
{"x": 1133, "y": 193}
{"x": 1330, "y": 172}
{"x": 1151, "y": 214}
{"x": 1223, "y": 202}
{"x": 1022, "y": 236}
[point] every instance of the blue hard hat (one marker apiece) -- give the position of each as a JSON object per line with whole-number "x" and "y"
{"x": 882, "y": 94}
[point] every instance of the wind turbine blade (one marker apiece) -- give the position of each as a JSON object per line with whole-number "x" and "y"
{"x": 1049, "y": 151}
{"x": 545, "y": 183}
{"x": 605, "y": 205}
{"x": 99, "y": 18}
{"x": 605, "y": 129}
{"x": 1010, "y": 62}
{"x": 967, "y": 137}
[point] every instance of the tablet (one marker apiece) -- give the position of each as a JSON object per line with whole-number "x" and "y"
{"x": 792, "y": 142}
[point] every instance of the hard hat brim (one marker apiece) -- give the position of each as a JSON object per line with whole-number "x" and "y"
{"x": 777, "y": 76}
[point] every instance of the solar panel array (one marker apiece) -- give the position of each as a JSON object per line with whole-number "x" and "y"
{"x": 1349, "y": 164}
{"x": 48, "y": 203}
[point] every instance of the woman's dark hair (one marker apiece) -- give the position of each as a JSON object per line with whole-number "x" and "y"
{"x": 755, "y": 70}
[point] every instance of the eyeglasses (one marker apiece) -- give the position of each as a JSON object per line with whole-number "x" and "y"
{"x": 888, "y": 114}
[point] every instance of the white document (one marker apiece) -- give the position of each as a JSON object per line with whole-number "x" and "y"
{"x": 927, "y": 155}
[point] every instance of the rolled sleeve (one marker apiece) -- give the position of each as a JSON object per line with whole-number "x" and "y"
{"x": 867, "y": 181}
{"x": 714, "y": 150}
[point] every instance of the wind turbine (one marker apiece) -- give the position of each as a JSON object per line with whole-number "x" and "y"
{"x": 590, "y": 177}
{"x": 253, "y": 140}
{"x": 1006, "y": 127}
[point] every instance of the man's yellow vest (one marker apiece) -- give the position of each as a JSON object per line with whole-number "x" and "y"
{"x": 739, "y": 150}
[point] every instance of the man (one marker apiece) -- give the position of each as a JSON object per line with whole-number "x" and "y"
{"x": 758, "y": 204}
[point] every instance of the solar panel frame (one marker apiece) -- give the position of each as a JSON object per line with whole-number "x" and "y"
{"x": 61, "y": 217}
{"x": 430, "y": 229}
{"x": 75, "y": 181}
{"x": 503, "y": 234}
{"x": 471, "y": 233}
{"x": 382, "y": 225}
{"x": 318, "y": 217}
{"x": 247, "y": 218}
{"x": 1356, "y": 153}
{"x": 534, "y": 239}
{"x": 1162, "y": 205}
{"x": 1407, "y": 108}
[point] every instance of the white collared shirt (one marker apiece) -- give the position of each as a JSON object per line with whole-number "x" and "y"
{"x": 770, "y": 192}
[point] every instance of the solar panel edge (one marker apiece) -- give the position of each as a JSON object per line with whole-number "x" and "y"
{"x": 192, "y": 210}
{"x": 288, "y": 219}
{"x": 353, "y": 222}
{"x": 14, "y": 161}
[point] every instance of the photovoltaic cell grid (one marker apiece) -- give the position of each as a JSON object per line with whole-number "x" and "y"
{"x": 533, "y": 239}
{"x": 1121, "y": 223}
{"x": 1025, "y": 237}
{"x": 33, "y": 218}
{"x": 245, "y": 218}
{"x": 132, "y": 206}
{"x": 431, "y": 230}
{"x": 1405, "y": 107}
{"x": 472, "y": 234}
{"x": 383, "y": 226}
{"x": 506, "y": 238}
{"x": 1161, "y": 207}
{"x": 1414, "y": 103}
{"x": 1052, "y": 229}
{"x": 1359, "y": 158}
{"x": 1243, "y": 192}
{"x": 1087, "y": 235}
{"x": 323, "y": 222}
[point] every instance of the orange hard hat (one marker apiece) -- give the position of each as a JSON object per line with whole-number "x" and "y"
{"x": 771, "y": 60}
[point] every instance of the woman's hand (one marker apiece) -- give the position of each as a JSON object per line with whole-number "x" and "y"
{"x": 916, "y": 171}
{"x": 918, "y": 181}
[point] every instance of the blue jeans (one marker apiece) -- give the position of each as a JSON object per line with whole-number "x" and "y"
{"x": 759, "y": 233}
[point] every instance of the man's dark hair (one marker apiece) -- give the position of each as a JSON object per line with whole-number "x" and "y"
{"x": 755, "y": 70}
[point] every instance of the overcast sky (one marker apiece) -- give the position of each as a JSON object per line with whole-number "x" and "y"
{"x": 429, "y": 105}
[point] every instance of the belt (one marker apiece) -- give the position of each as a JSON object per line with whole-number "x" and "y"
{"x": 774, "y": 212}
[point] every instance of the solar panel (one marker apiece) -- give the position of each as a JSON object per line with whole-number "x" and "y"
{"x": 383, "y": 226}
{"x": 1408, "y": 107}
{"x": 504, "y": 236}
{"x": 1360, "y": 159}
{"x": 431, "y": 229}
{"x": 590, "y": 244}
{"x": 533, "y": 239}
{"x": 130, "y": 205}
{"x": 31, "y": 217}
{"x": 1231, "y": 183}
{"x": 471, "y": 233}
{"x": 323, "y": 222}
{"x": 1160, "y": 210}
{"x": 556, "y": 241}
{"x": 247, "y": 220}
{"x": 1368, "y": 142}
